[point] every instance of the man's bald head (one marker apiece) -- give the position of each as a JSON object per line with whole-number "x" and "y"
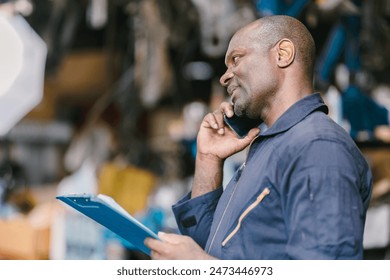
{"x": 267, "y": 31}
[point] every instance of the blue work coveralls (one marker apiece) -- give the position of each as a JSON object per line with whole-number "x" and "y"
{"x": 302, "y": 193}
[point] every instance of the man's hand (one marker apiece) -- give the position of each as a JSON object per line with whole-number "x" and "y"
{"x": 216, "y": 140}
{"x": 215, "y": 143}
{"x": 175, "y": 247}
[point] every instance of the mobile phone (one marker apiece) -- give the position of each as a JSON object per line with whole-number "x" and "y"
{"x": 241, "y": 124}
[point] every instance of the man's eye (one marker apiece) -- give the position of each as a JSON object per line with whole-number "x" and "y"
{"x": 235, "y": 59}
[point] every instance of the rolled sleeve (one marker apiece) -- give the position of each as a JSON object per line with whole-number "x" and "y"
{"x": 195, "y": 216}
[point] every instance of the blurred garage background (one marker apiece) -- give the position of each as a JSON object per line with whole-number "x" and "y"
{"x": 106, "y": 96}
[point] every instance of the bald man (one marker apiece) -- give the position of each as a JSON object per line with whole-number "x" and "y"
{"x": 304, "y": 189}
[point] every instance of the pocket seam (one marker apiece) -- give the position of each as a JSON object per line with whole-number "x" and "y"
{"x": 258, "y": 200}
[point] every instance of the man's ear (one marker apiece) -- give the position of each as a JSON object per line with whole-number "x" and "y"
{"x": 286, "y": 53}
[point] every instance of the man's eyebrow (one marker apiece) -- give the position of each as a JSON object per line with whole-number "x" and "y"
{"x": 238, "y": 51}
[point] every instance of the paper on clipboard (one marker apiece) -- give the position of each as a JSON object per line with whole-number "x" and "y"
{"x": 104, "y": 210}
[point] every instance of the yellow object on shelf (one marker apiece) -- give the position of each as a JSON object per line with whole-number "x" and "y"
{"x": 19, "y": 239}
{"x": 130, "y": 186}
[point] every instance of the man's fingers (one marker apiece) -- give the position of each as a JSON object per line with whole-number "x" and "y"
{"x": 215, "y": 121}
{"x": 244, "y": 142}
{"x": 164, "y": 248}
{"x": 158, "y": 248}
{"x": 218, "y": 116}
{"x": 169, "y": 237}
{"x": 250, "y": 136}
{"x": 155, "y": 255}
{"x": 152, "y": 243}
{"x": 211, "y": 121}
{"x": 227, "y": 109}
{"x": 253, "y": 133}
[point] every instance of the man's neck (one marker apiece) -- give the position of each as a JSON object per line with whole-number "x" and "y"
{"x": 282, "y": 102}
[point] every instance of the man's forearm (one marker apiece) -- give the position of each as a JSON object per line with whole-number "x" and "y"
{"x": 208, "y": 175}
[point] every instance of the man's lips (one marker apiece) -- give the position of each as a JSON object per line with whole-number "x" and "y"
{"x": 230, "y": 91}
{"x": 232, "y": 100}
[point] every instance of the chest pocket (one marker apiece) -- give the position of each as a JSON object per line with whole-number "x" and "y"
{"x": 246, "y": 212}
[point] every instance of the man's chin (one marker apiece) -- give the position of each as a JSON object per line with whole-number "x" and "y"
{"x": 238, "y": 110}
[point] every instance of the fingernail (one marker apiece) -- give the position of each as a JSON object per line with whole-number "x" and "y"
{"x": 215, "y": 125}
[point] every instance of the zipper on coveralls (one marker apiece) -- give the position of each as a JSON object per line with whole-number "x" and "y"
{"x": 231, "y": 196}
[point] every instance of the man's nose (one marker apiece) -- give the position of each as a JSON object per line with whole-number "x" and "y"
{"x": 225, "y": 78}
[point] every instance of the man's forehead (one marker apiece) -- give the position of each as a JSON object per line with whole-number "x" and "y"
{"x": 240, "y": 40}
{"x": 243, "y": 38}
{"x": 249, "y": 29}
{"x": 246, "y": 34}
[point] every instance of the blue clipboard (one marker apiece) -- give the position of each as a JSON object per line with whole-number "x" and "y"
{"x": 104, "y": 210}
